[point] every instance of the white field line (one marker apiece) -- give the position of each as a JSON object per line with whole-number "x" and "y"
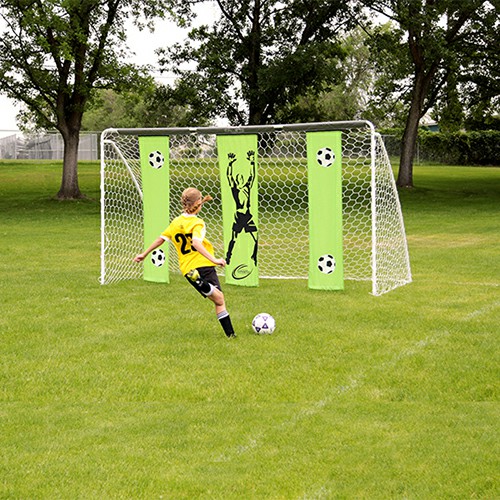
{"x": 321, "y": 492}
{"x": 473, "y": 283}
{"x": 483, "y": 310}
{"x": 488, "y": 284}
{"x": 355, "y": 382}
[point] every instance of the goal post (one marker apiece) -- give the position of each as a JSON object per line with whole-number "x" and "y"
{"x": 374, "y": 246}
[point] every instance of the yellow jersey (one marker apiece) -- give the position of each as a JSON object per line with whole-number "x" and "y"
{"x": 181, "y": 231}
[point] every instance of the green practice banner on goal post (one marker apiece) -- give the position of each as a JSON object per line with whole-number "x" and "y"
{"x": 238, "y": 178}
{"x": 324, "y": 164}
{"x": 154, "y": 153}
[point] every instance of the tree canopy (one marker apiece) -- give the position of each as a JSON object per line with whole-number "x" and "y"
{"x": 435, "y": 41}
{"x": 55, "y": 53}
{"x": 261, "y": 54}
{"x": 150, "y": 105}
{"x": 345, "y": 99}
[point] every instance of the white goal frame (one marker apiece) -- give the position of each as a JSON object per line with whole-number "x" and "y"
{"x": 375, "y": 246}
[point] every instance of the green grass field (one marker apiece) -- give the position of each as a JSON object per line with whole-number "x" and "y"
{"x": 132, "y": 391}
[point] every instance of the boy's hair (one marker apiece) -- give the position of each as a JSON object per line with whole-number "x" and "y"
{"x": 191, "y": 200}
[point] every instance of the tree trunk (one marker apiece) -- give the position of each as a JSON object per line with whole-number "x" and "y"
{"x": 254, "y": 115}
{"x": 410, "y": 136}
{"x": 254, "y": 63}
{"x": 408, "y": 147}
{"x": 69, "y": 185}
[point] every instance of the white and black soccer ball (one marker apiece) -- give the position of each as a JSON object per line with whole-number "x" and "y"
{"x": 326, "y": 264}
{"x": 156, "y": 159}
{"x": 158, "y": 257}
{"x": 263, "y": 324}
{"x": 325, "y": 157}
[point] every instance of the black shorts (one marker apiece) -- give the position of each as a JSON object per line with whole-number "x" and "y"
{"x": 208, "y": 274}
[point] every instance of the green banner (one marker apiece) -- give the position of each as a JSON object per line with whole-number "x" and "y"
{"x": 154, "y": 153}
{"x": 238, "y": 176}
{"x": 324, "y": 162}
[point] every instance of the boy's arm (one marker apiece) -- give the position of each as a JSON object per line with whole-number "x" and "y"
{"x": 156, "y": 243}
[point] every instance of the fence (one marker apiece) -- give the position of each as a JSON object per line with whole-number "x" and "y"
{"x": 15, "y": 145}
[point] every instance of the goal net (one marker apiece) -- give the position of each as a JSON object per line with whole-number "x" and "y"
{"x": 374, "y": 240}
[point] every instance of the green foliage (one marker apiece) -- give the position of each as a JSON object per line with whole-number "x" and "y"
{"x": 340, "y": 98}
{"x": 150, "y": 105}
{"x": 132, "y": 391}
{"x": 54, "y": 54}
{"x": 110, "y": 109}
{"x": 461, "y": 148}
{"x": 482, "y": 122}
{"x": 479, "y": 72}
{"x": 391, "y": 66}
{"x": 433, "y": 35}
{"x": 455, "y": 148}
{"x": 259, "y": 56}
{"x": 178, "y": 106}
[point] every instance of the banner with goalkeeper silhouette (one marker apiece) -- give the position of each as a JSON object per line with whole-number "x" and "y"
{"x": 324, "y": 166}
{"x": 238, "y": 177}
{"x": 154, "y": 153}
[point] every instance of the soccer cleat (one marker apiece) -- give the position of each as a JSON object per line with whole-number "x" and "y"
{"x": 193, "y": 276}
{"x": 231, "y": 336}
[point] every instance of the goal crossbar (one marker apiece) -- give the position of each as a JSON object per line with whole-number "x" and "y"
{"x": 244, "y": 129}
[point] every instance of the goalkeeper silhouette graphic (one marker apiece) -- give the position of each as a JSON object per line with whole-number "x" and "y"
{"x": 243, "y": 218}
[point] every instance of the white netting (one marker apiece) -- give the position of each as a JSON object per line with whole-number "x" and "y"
{"x": 374, "y": 238}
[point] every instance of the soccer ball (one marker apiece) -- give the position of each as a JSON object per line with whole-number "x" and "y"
{"x": 325, "y": 157}
{"x": 263, "y": 324}
{"x": 158, "y": 257}
{"x": 326, "y": 264}
{"x": 156, "y": 159}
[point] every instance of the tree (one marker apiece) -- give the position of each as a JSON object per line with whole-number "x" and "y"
{"x": 345, "y": 100}
{"x": 55, "y": 53}
{"x": 434, "y": 33}
{"x": 262, "y": 54}
{"x": 386, "y": 105}
{"x": 151, "y": 105}
{"x": 178, "y": 106}
{"x": 478, "y": 80}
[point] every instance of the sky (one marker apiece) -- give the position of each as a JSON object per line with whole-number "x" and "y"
{"x": 143, "y": 43}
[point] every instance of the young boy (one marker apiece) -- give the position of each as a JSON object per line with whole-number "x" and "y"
{"x": 196, "y": 254}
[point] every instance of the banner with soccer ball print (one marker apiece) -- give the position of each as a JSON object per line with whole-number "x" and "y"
{"x": 154, "y": 153}
{"x": 324, "y": 165}
{"x": 238, "y": 177}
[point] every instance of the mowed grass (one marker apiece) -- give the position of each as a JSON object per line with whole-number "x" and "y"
{"x": 132, "y": 391}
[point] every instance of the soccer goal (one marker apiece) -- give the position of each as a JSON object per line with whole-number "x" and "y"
{"x": 373, "y": 234}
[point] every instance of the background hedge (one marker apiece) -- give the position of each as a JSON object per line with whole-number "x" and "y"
{"x": 457, "y": 148}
